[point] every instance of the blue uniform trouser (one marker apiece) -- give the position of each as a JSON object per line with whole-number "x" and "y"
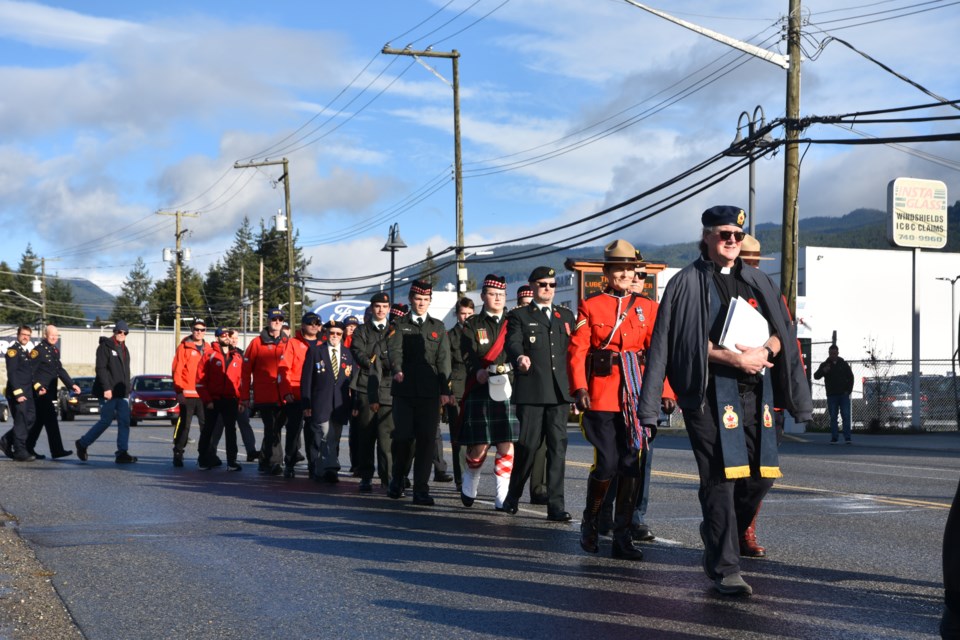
{"x": 839, "y": 402}
{"x": 118, "y": 408}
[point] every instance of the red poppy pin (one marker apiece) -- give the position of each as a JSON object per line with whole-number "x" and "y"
{"x": 556, "y": 314}
{"x": 433, "y": 335}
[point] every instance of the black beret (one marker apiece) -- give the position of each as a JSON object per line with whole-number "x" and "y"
{"x": 723, "y": 215}
{"x": 541, "y": 272}
{"x": 379, "y": 297}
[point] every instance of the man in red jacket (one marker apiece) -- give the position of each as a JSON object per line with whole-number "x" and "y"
{"x": 261, "y": 361}
{"x": 218, "y": 383}
{"x": 186, "y": 361}
{"x": 289, "y": 370}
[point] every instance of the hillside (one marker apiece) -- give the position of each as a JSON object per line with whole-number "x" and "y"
{"x": 93, "y": 300}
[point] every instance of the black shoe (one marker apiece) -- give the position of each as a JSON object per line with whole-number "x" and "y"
{"x": 209, "y": 463}
{"x": 406, "y": 483}
{"x": 276, "y": 470}
{"x": 641, "y": 533}
{"x": 233, "y": 465}
{"x": 732, "y": 585}
{"x": 125, "y": 458}
{"x": 422, "y": 498}
{"x": 253, "y": 456}
{"x": 539, "y": 498}
{"x": 560, "y": 516}
{"x": 394, "y": 492}
{"x": 62, "y": 454}
{"x": 81, "y": 450}
{"x": 331, "y": 476}
{"x": 25, "y": 458}
{"x": 289, "y": 473}
{"x": 466, "y": 500}
{"x": 178, "y": 458}
{"x": 509, "y": 506}
{"x": 37, "y": 456}
{"x": 298, "y": 457}
{"x": 366, "y": 486}
{"x": 443, "y": 476}
{"x": 623, "y": 548}
{"x": 6, "y": 447}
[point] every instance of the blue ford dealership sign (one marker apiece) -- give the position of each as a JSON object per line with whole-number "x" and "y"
{"x": 341, "y": 309}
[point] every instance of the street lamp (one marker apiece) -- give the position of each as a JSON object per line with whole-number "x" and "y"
{"x": 743, "y": 148}
{"x": 31, "y": 301}
{"x": 394, "y": 242}
{"x": 953, "y": 342}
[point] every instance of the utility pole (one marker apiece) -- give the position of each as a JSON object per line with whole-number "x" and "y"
{"x": 789, "y": 245}
{"x": 285, "y": 178}
{"x": 453, "y": 55}
{"x": 43, "y": 291}
{"x": 178, "y": 267}
{"x": 791, "y": 158}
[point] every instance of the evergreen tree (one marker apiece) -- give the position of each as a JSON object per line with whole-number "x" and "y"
{"x": 134, "y": 297}
{"x": 428, "y": 270}
{"x": 163, "y": 296}
{"x": 61, "y": 309}
{"x": 223, "y": 280}
{"x": 271, "y": 247}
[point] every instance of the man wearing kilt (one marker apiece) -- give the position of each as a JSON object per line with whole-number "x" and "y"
{"x": 487, "y": 416}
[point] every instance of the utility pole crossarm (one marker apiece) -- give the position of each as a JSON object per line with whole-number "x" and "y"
{"x": 757, "y": 52}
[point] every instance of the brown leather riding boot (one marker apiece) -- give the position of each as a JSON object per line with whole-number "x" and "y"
{"x": 596, "y": 490}
{"x": 748, "y": 541}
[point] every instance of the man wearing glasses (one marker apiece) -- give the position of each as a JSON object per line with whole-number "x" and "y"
{"x": 538, "y": 335}
{"x": 261, "y": 361}
{"x": 726, "y": 393}
{"x": 19, "y": 393}
{"x": 325, "y": 388}
{"x": 112, "y": 386}
{"x": 289, "y": 370}
{"x": 186, "y": 363}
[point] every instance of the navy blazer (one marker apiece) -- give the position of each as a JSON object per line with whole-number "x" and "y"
{"x": 327, "y": 398}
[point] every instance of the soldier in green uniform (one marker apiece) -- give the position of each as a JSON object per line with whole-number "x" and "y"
{"x": 373, "y": 408}
{"x": 488, "y": 418}
{"x": 420, "y": 361}
{"x": 458, "y": 376}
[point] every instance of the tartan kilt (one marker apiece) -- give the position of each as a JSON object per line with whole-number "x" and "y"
{"x": 487, "y": 421}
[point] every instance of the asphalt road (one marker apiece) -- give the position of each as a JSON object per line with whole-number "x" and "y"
{"x": 148, "y": 551}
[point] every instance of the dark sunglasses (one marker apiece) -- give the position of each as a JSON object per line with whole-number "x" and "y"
{"x": 119, "y": 332}
{"x": 200, "y": 329}
{"x": 736, "y": 235}
{"x": 547, "y": 285}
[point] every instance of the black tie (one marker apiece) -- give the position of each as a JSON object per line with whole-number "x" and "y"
{"x": 496, "y": 319}
{"x": 379, "y": 327}
{"x": 546, "y": 311}
{"x": 420, "y": 321}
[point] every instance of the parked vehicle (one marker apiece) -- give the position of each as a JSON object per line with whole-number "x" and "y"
{"x": 4, "y": 409}
{"x": 69, "y": 405}
{"x": 889, "y": 403}
{"x": 153, "y": 398}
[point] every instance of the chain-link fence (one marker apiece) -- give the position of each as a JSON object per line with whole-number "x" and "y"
{"x": 882, "y": 398}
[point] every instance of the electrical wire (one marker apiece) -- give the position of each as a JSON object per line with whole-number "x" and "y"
{"x": 904, "y": 15}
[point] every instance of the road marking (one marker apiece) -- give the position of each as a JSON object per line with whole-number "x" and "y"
{"x": 903, "y": 502}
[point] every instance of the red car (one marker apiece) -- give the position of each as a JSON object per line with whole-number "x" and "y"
{"x": 153, "y": 398}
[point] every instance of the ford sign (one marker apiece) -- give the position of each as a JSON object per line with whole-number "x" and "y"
{"x": 342, "y": 309}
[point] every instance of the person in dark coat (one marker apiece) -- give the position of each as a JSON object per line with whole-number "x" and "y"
{"x": 325, "y": 393}
{"x": 47, "y": 371}
{"x": 458, "y": 377}
{"x": 537, "y": 339}
{"x": 112, "y": 386}
{"x": 838, "y": 380}
{"x": 19, "y": 392}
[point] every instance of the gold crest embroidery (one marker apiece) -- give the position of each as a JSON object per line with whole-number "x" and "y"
{"x": 741, "y": 217}
{"x": 11, "y": 353}
{"x": 730, "y": 419}
{"x": 767, "y": 416}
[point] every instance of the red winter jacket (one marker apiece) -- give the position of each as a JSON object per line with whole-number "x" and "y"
{"x": 261, "y": 360}
{"x": 219, "y": 374}
{"x": 186, "y": 360}
{"x": 291, "y": 366}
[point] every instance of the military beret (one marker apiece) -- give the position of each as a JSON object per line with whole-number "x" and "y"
{"x": 541, "y": 272}
{"x": 723, "y": 215}
{"x": 379, "y": 297}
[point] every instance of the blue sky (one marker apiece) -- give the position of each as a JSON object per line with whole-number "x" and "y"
{"x": 114, "y": 110}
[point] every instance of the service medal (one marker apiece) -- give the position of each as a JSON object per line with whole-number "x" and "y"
{"x": 767, "y": 417}
{"x": 533, "y": 339}
{"x": 730, "y": 419}
{"x": 482, "y": 336}
{"x": 640, "y": 314}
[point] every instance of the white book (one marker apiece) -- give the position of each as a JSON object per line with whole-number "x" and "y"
{"x": 743, "y": 325}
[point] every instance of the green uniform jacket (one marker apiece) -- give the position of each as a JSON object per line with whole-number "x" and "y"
{"x": 369, "y": 348}
{"x": 422, "y": 353}
{"x": 458, "y": 369}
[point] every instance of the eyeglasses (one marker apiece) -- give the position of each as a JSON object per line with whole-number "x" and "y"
{"x": 116, "y": 333}
{"x": 335, "y": 333}
{"x": 200, "y": 329}
{"x": 276, "y": 319}
{"x": 547, "y": 285}
{"x": 736, "y": 235}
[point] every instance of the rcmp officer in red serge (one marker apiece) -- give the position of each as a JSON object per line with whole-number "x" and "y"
{"x": 727, "y": 395}
{"x": 605, "y": 357}
{"x": 537, "y": 339}
{"x": 420, "y": 360}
